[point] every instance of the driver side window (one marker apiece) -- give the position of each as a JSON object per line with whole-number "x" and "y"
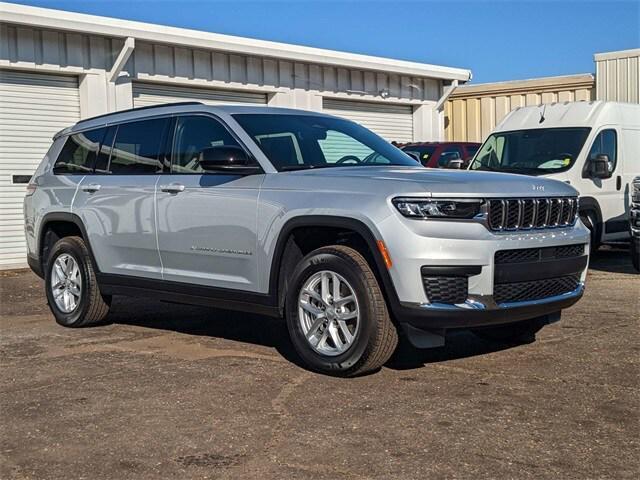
{"x": 194, "y": 134}
{"x": 337, "y": 146}
{"x": 605, "y": 144}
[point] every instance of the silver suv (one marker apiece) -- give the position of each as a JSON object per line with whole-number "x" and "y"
{"x": 302, "y": 215}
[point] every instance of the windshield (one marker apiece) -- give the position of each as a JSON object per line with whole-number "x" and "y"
{"x": 536, "y": 151}
{"x": 296, "y": 142}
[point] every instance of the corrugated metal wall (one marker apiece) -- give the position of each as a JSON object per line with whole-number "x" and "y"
{"x": 25, "y": 46}
{"x": 472, "y": 112}
{"x": 618, "y": 76}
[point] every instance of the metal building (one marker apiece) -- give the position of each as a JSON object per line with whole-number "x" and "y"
{"x": 618, "y": 76}
{"x": 57, "y": 67}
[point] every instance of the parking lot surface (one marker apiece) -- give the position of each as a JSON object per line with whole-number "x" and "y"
{"x": 171, "y": 391}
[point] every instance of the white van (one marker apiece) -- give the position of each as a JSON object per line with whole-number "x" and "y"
{"x": 594, "y": 146}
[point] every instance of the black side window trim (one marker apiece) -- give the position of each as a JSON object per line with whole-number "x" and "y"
{"x": 233, "y": 134}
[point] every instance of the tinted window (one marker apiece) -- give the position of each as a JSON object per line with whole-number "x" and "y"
{"x": 102, "y": 162}
{"x": 137, "y": 146}
{"x": 293, "y": 142}
{"x": 193, "y": 134}
{"x": 605, "y": 144}
{"x": 79, "y": 153}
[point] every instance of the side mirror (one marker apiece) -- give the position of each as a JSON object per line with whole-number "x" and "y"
{"x": 227, "y": 159}
{"x": 455, "y": 163}
{"x": 599, "y": 167}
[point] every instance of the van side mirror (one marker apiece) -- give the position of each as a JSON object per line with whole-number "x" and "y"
{"x": 599, "y": 166}
{"x": 228, "y": 159}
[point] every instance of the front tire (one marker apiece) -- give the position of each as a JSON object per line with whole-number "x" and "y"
{"x": 71, "y": 286}
{"x": 336, "y": 314}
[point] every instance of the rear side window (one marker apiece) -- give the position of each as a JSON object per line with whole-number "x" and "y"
{"x": 79, "y": 153}
{"x": 136, "y": 148}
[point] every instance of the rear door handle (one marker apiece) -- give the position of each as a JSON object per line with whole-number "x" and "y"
{"x": 91, "y": 188}
{"x": 173, "y": 188}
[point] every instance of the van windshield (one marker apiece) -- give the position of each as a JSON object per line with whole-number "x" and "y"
{"x": 534, "y": 152}
{"x": 299, "y": 142}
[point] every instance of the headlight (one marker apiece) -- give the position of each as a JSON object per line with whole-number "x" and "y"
{"x": 437, "y": 208}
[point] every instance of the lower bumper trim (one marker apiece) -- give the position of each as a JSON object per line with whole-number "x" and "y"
{"x": 480, "y": 311}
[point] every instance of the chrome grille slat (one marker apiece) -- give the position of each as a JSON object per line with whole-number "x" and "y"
{"x": 512, "y": 214}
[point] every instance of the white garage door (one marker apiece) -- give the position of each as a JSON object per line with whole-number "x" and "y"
{"x": 145, "y": 94}
{"x": 33, "y": 107}
{"x": 391, "y": 122}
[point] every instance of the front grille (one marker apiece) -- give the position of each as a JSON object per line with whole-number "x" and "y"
{"x": 523, "y": 255}
{"x": 450, "y": 290}
{"x": 535, "y": 290}
{"x": 527, "y": 213}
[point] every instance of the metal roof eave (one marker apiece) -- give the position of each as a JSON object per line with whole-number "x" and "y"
{"x": 113, "y": 27}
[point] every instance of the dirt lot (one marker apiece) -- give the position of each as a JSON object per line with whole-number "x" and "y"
{"x": 168, "y": 391}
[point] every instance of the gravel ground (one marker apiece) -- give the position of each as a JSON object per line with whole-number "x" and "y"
{"x": 175, "y": 392}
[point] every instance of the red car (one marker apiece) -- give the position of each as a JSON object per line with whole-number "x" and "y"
{"x": 441, "y": 154}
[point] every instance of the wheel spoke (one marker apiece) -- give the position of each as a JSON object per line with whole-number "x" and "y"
{"x": 69, "y": 266}
{"x": 313, "y": 294}
{"x": 59, "y": 271}
{"x": 57, "y": 286}
{"x": 347, "y": 315}
{"x": 336, "y": 287}
{"x": 323, "y": 340}
{"x": 74, "y": 289}
{"x": 315, "y": 326}
{"x": 312, "y": 309}
{"x": 337, "y": 341}
{"x": 345, "y": 331}
{"x": 324, "y": 287}
{"x": 344, "y": 300}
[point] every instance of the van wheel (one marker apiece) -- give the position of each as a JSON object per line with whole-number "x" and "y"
{"x": 514, "y": 333}
{"x": 71, "y": 287}
{"x": 336, "y": 314}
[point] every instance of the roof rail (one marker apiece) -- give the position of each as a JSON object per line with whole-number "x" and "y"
{"x": 137, "y": 109}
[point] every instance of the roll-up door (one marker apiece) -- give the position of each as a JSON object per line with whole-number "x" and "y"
{"x": 147, "y": 94}
{"x": 392, "y": 122}
{"x": 33, "y": 107}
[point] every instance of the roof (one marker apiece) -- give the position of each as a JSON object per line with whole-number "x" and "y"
{"x": 571, "y": 114}
{"x": 584, "y": 80}
{"x": 114, "y": 27}
{"x": 175, "y": 108}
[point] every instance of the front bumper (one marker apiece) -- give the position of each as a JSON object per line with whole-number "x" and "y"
{"x": 483, "y": 311}
{"x": 469, "y": 250}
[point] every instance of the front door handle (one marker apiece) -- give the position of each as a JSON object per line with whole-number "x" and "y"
{"x": 172, "y": 188}
{"x": 91, "y": 188}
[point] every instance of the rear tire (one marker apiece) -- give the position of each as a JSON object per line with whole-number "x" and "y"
{"x": 342, "y": 337}
{"x": 71, "y": 286}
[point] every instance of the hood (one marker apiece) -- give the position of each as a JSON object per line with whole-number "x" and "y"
{"x": 437, "y": 182}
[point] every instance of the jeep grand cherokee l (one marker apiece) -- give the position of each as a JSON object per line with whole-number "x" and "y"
{"x": 299, "y": 215}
